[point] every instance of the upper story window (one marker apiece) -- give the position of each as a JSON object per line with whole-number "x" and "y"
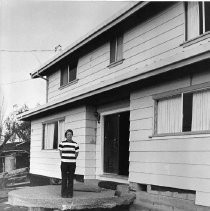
{"x": 184, "y": 112}
{"x": 53, "y": 133}
{"x": 116, "y": 48}
{"x": 197, "y": 18}
{"x": 68, "y": 73}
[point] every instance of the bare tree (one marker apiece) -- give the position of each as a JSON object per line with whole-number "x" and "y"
{"x": 2, "y": 112}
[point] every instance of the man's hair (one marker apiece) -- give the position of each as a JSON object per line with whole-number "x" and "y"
{"x": 69, "y": 130}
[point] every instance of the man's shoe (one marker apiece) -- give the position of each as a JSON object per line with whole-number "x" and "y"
{"x": 64, "y": 196}
{"x": 70, "y": 196}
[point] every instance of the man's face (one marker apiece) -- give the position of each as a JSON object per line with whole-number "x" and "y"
{"x": 69, "y": 136}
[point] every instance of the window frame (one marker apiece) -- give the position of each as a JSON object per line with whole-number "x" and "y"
{"x": 169, "y": 94}
{"x": 202, "y": 17}
{"x": 43, "y": 131}
{"x": 70, "y": 67}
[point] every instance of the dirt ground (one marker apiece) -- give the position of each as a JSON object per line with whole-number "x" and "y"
{"x": 4, "y": 206}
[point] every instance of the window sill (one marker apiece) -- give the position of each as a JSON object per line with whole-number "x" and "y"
{"x": 181, "y": 135}
{"x": 50, "y": 150}
{"x": 113, "y": 64}
{"x": 196, "y": 39}
{"x": 69, "y": 84}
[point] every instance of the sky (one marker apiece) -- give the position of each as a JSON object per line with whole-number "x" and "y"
{"x": 40, "y": 25}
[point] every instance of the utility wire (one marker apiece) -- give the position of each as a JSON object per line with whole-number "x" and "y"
{"x": 24, "y": 51}
{"x": 14, "y": 82}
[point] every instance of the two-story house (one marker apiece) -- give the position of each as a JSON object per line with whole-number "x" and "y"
{"x": 136, "y": 93}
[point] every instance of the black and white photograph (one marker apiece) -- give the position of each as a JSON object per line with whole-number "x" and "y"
{"x": 104, "y": 105}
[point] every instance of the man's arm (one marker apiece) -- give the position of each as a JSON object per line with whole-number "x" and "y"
{"x": 60, "y": 153}
{"x": 76, "y": 154}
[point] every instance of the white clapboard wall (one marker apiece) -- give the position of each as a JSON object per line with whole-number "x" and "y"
{"x": 172, "y": 161}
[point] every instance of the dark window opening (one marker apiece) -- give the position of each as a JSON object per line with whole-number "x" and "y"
{"x": 187, "y": 112}
{"x": 64, "y": 75}
{"x": 55, "y": 140}
{"x": 43, "y": 138}
{"x": 72, "y": 74}
{"x": 200, "y": 18}
{"x": 68, "y": 74}
{"x": 207, "y": 16}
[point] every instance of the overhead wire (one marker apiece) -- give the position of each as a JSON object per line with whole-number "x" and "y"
{"x": 14, "y": 82}
{"x": 24, "y": 51}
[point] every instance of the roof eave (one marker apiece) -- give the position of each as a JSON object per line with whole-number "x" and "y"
{"x": 98, "y": 31}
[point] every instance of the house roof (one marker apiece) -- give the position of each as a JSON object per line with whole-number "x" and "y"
{"x": 16, "y": 146}
{"x": 108, "y": 24}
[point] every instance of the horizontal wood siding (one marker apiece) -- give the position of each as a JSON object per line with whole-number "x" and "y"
{"x": 155, "y": 39}
{"x": 90, "y": 148}
{"x": 172, "y": 161}
{"x": 47, "y": 162}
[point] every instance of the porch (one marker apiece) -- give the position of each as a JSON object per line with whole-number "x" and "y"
{"x": 85, "y": 197}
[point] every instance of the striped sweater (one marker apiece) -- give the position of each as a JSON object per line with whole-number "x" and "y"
{"x": 68, "y": 151}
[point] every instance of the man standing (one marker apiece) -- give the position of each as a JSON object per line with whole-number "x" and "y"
{"x": 69, "y": 150}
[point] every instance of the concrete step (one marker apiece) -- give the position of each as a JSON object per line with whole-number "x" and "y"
{"x": 19, "y": 184}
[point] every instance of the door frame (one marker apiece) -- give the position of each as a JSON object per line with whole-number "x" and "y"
{"x": 103, "y": 114}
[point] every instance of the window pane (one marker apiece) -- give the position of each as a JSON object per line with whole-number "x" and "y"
{"x": 119, "y": 48}
{"x": 61, "y": 131}
{"x": 187, "y": 112}
{"x": 72, "y": 74}
{"x": 49, "y": 138}
{"x": 64, "y": 75}
{"x": 201, "y": 111}
{"x": 55, "y": 138}
{"x": 44, "y": 135}
{"x": 112, "y": 50}
{"x": 169, "y": 115}
{"x": 193, "y": 25}
{"x": 200, "y": 17}
{"x": 207, "y": 16}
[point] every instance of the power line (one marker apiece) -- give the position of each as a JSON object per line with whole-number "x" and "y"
{"x": 24, "y": 51}
{"x": 14, "y": 82}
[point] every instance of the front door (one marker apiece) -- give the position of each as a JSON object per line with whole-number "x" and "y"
{"x": 116, "y": 143}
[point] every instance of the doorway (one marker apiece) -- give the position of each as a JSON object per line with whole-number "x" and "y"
{"x": 116, "y": 143}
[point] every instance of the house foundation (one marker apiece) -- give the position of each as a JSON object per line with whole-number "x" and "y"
{"x": 163, "y": 199}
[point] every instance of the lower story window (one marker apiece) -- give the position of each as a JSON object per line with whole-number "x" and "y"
{"x": 183, "y": 113}
{"x": 53, "y": 133}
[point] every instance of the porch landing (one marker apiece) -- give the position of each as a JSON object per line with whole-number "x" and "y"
{"x": 84, "y": 198}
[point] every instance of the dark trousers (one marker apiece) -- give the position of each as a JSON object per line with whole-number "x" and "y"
{"x": 67, "y": 171}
